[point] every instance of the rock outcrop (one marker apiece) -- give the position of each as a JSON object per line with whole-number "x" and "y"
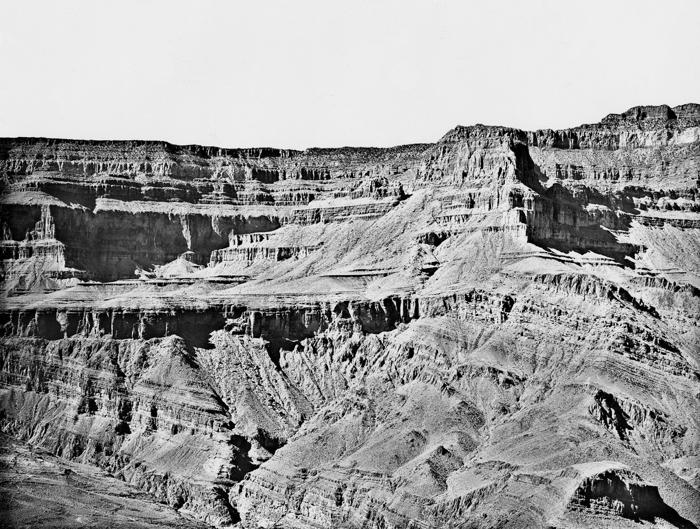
{"x": 496, "y": 330}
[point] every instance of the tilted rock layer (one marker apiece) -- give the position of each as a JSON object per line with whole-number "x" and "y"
{"x": 500, "y": 329}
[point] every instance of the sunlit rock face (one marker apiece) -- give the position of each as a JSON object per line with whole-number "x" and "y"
{"x": 499, "y": 329}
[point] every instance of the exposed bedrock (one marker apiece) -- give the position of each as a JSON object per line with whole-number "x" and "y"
{"x": 637, "y": 127}
{"x": 655, "y": 147}
{"x": 111, "y": 244}
{"x": 256, "y": 401}
{"x": 124, "y": 206}
{"x": 499, "y": 329}
{"x": 616, "y": 492}
{"x": 137, "y": 409}
{"x": 290, "y": 323}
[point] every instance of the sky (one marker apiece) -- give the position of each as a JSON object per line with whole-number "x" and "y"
{"x": 299, "y": 74}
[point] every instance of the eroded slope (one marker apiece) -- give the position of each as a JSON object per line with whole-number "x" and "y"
{"x": 496, "y": 330}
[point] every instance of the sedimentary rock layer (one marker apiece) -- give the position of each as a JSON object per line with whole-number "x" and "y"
{"x": 499, "y": 329}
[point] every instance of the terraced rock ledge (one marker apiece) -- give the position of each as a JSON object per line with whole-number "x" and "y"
{"x": 500, "y": 329}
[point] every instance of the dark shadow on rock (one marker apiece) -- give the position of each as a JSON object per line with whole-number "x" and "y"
{"x": 576, "y": 230}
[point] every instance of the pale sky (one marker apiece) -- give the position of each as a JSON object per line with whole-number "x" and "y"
{"x": 330, "y": 73}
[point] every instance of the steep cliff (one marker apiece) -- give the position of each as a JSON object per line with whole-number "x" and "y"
{"x": 496, "y": 330}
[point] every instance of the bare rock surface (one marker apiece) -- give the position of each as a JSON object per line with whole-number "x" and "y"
{"x": 41, "y": 490}
{"x": 499, "y": 329}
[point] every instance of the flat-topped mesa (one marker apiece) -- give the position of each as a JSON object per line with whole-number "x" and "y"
{"x": 477, "y": 156}
{"x": 84, "y": 172}
{"x": 130, "y": 159}
{"x": 643, "y": 126}
{"x": 192, "y": 198}
{"x": 352, "y": 162}
{"x": 650, "y": 149}
{"x": 484, "y": 136}
{"x": 23, "y": 156}
{"x": 652, "y": 116}
{"x": 486, "y": 180}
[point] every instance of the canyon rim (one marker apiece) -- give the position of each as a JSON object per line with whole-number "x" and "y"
{"x": 498, "y": 329}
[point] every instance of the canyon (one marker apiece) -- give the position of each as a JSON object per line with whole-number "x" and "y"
{"x": 499, "y": 329}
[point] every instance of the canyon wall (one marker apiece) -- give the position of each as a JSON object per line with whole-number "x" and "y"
{"x": 499, "y": 329}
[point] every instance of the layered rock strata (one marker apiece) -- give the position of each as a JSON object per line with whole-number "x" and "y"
{"x": 499, "y": 329}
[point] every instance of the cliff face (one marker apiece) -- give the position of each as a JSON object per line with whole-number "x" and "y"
{"x": 496, "y": 330}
